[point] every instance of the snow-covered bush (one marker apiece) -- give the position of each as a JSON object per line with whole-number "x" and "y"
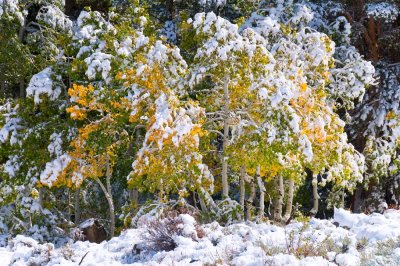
{"x": 226, "y": 211}
{"x": 52, "y": 16}
{"x": 302, "y": 244}
{"x": 384, "y": 10}
{"x": 29, "y": 252}
{"x": 165, "y": 232}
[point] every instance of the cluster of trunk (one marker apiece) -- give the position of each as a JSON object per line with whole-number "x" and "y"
{"x": 278, "y": 203}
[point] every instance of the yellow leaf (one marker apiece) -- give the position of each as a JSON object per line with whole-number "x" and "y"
{"x": 303, "y": 86}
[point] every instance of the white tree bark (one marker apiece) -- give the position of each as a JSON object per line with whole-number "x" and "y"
{"x": 203, "y": 205}
{"x": 224, "y": 173}
{"x": 278, "y": 201}
{"x": 262, "y": 193}
{"x": 289, "y": 203}
{"x": 108, "y": 193}
{"x": 249, "y": 203}
{"x": 206, "y": 201}
{"x": 315, "y": 195}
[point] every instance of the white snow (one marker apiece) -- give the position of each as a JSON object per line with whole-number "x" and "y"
{"x": 11, "y": 7}
{"x": 386, "y": 11}
{"x": 53, "y": 169}
{"x": 9, "y": 131}
{"x": 98, "y": 62}
{"x": 212, "y": 3}
{"x": 5, "y": 256}
{"x": 236, "y": 244}
{"x": 375, "y": 227}
{"x": 42, "y": 83}
{"x": 12, "y": 166}
{"x": 55, "y": 146}
{"x": 54, "y": 17}
{"x": 169, "y": 31}
{"x": 87, "y": 223}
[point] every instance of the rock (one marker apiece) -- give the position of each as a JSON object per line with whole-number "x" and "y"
{"x": 93, "y": 231}
{"x": 138, "y": 248}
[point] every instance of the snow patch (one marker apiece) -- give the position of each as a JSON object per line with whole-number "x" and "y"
{"x": 42, "y": 83}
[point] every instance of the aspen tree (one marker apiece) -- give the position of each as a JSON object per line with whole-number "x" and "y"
{"x": 227, "y": 68}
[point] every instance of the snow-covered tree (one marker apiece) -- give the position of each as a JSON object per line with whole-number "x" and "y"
{"x": 29, "y": 30}
{"x": 373, "y": 123}
{"x": 154, "y": 97}
{"x": 102, "y": 133}
{"x": 309, "y": 84}
{"x": 228, "y": 93}
{"x": 34, "y": 130}
{"x": 168, "y": 160}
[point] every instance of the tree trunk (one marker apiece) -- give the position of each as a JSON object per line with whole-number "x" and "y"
{"x": 22, "y": 88}
{"x": 21, "y": 39}
{"x": 134, "y": 193}
{"x": 357, "y": 6}
{"x": 134, "y": 196}
{"x": 249, "y": 203}
{"x": 108, "y": 182}
{"x": 262, "y": 193}
{"x": 41, "y": 198}
{"x": 371, "y": 39}
{"x": 224, "y": 174}
{"x": 357, "y": 199}
{"x": 108, "y": 194}
{"x": 203, "y": 205}
{"x": 289, "y": 204}
{"x": 206, "y": 201}
{"x": 194, "y": 200}
{"x": 314, "y": 210}
{"x": 70, "y": 7}
{"x": 342, "y": 196}
{"x": 171, "y": 9}
{"x": 69, "y": 203}
{"x": 111, "y": 207}
{"x": 4, "y": 8}
{"x": 278, "y": 201}
{"x": 77, "y": 206}
{"x": 242, "y": 185}
{"x": 2, "y": 88}
{"x": 21, "y": 31}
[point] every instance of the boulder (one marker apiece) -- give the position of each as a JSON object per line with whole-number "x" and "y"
{"x": 93, "y": 231}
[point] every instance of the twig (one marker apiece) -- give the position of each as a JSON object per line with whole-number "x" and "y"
{"x": 83, "y": 258}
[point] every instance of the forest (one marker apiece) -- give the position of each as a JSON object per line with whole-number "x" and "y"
{"x": 183, "y": 120}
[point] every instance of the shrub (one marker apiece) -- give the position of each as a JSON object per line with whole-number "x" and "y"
{"x": 67, "y": 252}
{"x": 164, "y": 231}
{"x": 34, "y": 253}
{"x": 76, "y": 234}
{"x": 302, "y": 245}
{"x": 226, "y": 212}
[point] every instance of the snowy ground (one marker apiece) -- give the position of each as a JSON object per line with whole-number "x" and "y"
{"x": 348, "y": 239}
